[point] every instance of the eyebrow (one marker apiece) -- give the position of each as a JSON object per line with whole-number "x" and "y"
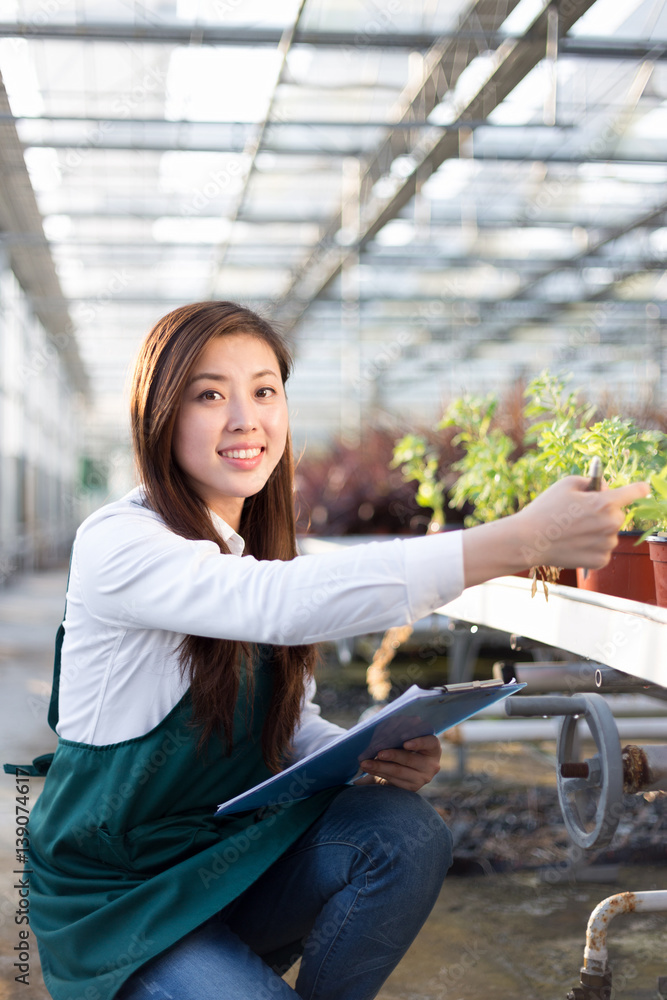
{"x": 214, "y": 377}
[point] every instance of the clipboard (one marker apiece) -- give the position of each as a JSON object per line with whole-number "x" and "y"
{"x": 417, "y": 712}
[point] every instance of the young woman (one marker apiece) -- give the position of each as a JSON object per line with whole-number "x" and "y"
{"x": 184, "y": 676}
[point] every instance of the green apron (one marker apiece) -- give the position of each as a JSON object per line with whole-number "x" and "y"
{"x": 126, "y": 854}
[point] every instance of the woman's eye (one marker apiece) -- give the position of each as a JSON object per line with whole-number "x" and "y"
{"x": 266, "y": 391}
{"x": 210, "y": 394}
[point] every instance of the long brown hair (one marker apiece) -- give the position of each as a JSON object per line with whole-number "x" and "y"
{"x": 163, "y": 366}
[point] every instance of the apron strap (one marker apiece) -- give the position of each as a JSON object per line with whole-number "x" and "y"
{"x": 37, "y": 769}
{"x": 60, "y": 635}
{"x": 55, "y": 687}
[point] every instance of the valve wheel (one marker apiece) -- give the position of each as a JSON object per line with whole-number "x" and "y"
{"x": 580, "y": 783}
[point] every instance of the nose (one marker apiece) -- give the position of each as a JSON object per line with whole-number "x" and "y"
{"x": 241, "y": 415}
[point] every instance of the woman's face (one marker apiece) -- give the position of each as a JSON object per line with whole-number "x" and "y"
{"x": 231, "y": 426}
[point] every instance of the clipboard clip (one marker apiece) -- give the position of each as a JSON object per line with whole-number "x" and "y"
{"x": 470, "y": 686}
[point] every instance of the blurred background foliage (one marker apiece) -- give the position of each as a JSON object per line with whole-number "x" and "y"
{"x": 353, "y": 490}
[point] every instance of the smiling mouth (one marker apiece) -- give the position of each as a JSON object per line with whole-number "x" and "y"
{"x": 241, "y": 453}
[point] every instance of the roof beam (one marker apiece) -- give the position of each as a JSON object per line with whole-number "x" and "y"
{"x": 443, "y": 64}
{"x": 195, "y": 34}
{"x": 426, "y": 257}
{"x": 527, "y": 156}
{"x": 178, "y": 210}
{"x": 614, "y": 48}
{"x": 196, "y": 123}
{"x": 488, "y": 309}
{"x": 442, "y": 222}
{"x": 491, "y": 304}
{"x": 133, "y": 146}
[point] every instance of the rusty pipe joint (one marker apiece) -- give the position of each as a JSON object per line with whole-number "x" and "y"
{"x": 595, "y": 952}
{"x": 644, "y": 769}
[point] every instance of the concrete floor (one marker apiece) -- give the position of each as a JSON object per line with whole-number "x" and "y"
{"x": 494, "y": 937}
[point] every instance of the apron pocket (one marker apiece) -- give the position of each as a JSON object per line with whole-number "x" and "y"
{"x": 153, "y": 847}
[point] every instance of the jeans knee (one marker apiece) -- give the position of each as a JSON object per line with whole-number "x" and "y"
{"x": 430, "y": 839}
{"x": 412, "y": 831}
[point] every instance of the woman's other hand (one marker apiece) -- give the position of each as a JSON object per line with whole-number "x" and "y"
{"x": 411, "y": 767}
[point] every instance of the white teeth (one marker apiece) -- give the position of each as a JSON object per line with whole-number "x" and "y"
{"x": 242, "y": 453}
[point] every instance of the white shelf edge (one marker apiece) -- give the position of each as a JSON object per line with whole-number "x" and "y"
{"x": 626, "y": 635}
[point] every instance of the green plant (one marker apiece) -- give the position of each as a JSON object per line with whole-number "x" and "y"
{"x": 652, "y": 510}
{"x": 418, "y": 461}
{"x": 556, "y": 418}
{"x": 567, "y": 442}
{"x": 489, "y": 478}
{"x": 492, "y": 479}
{"x": 627, "y": 452}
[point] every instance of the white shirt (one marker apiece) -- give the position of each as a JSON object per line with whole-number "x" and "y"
{"x": 136, "y": 589}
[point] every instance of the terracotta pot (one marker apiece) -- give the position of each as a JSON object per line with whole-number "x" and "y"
{"x": 658, "y": 548}
{"x": 628, "y": 574}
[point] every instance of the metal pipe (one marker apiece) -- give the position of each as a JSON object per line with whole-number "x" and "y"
{"x": 571, "y": 676}
{"x": 548, "y": 704}
{"x": 595, "y": 952}
{"x": 545, "y": 676}
{"x": 535, "y": 730}
{"x": 621, "y": 705}
{"x": 607, "y": 680}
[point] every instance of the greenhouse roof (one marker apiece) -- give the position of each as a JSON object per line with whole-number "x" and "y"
{"x": 427, "y": 196}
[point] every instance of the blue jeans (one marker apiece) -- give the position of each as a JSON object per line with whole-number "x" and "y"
{"x": 348, "y": 898}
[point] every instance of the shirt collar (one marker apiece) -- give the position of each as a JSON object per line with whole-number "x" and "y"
{"x": 231, "y": 538}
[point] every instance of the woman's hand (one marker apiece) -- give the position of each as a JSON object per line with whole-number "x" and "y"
{"x": 411, "y": 767}
{"x": 569, "y": 526}
{"x": 564, "y": 526}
